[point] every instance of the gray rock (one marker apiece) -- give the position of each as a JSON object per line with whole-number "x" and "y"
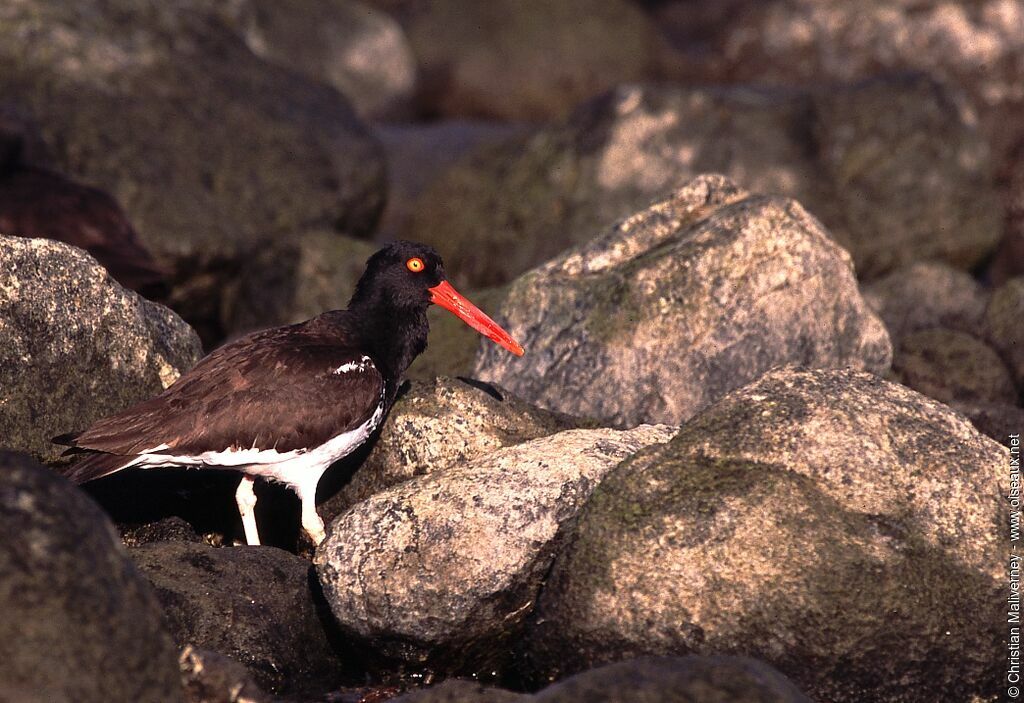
{"x": 952, "y": 367}
{"x": 526, "y": 59}
{"x": 676, "y": 680}
{"x": 79, "y": 622}
{"x": 441, "y": 423}
{"x": 681, "y": 303}
{"x": 844, "y": 529}
{"x": 293, "y": 280}
{"x": 355, "y": 48}
{"x": 252, "y": 604}
{"x": 76, "y": 346}
{"x": 927, "y": 294}
{"x": 507, "y": 208}
{"x": 1003, "y": 327}
{"x": 208, "y": 148}
{"x": 443, "y": 568}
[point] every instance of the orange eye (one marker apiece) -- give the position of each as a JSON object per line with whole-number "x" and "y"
{"x": 414, "y": 264}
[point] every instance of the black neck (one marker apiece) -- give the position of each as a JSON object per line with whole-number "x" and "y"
{"x": 393, "y": 335}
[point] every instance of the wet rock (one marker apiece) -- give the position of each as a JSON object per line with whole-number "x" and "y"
{"x": 525, "y": 60}
{"x": 952, "y": 367}
{"x": 74, "y": 345}
{"x": 681, "y": 303}
{"x": 509, "y": 207}
{"x": 1003, "y": 327}
{"x": 441, "y": 423}
{"x": 210, "y": 677}
{"x": 927, "y": 294}
{"x": 79, "y": 622}
{"x": 252, "y": 604}
{"x": 444, "y": 567}
{"x": 355, "y": 48}
{"x": 841, "y": 528}
{"x": 209, "y": 149}
{"x": 293, "y": 280}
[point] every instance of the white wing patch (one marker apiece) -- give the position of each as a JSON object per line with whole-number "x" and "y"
{"x": 364, "y": 363}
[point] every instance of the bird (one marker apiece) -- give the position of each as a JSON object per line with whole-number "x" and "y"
{"x": 286, "y": 403}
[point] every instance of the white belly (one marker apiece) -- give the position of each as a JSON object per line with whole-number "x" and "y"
{"x": 293, "y": 467}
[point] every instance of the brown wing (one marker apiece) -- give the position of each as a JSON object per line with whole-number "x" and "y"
{"x": 278, "y": 389}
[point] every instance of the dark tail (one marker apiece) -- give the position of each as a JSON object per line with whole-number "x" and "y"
{"x": 87, "y": 466}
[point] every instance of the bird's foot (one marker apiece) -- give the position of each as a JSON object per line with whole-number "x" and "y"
{"x": 314, "y": 527}
{"x": 246, "y": 499}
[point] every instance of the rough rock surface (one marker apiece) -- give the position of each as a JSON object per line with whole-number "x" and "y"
{"x": 1003, "y": 326}
{"x": 977, "y": 45}
{"x": 253, "y": 604}
{"x": 523, "y": 201}
{"x": 207, "y": 147}
{"x": 443, "y": 567}
{"x": 927, "y": 294}
{"x": 79, "y": 622}
{"x": 293, "y": 280}
{"x": 681, "y": 303}
{"x": 462, "y": 691}
{"x": 440, "y": 423}
{"x": 952, "y": 367}
{"x": 690, "y": 679}
{"x": 76, "y": 346}
{"x": 355, "y": 48}
{"x": 209, "y": 677}
{"x": 842, "y": 528}
{"x": 526, "y": 59}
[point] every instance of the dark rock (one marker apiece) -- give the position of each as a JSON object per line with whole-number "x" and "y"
{"x": 952, "y": 367}
{"x": 681, "y": 303}
{"x": 169, "y": 529}
{"x": 525, "y": 59}
{"x": 293, "y": 280}
{"x": 509, "y": 207}
{"x": 74, "y": 345}
{"x": 844, "y": 529}
{"x": 441, "y": 423}
{"x": 995, "y": 420}
{"x": 79, "y": 622}
{"x": 1003, "y": 326}
{"x": 690, "y": 679}
{"x": 208, "y": 148}
{"x": 462, "y": 691}
{"x": 927, "y": 294}
{"x": 355, "y": 48}
{"x": 418, "y": 153}
{"x": 210, "y": 677}
{"x": 38, "y": 203}
{"x": 252, "y": 604}
{"x": 443, "y": 568}
{"x": 676, "y": 680}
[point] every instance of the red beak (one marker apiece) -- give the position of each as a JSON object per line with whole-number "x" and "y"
{"x": 448, "y": 298}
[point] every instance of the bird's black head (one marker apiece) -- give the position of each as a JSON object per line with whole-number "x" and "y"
{"x": 403, "y": 278}
{"x": 400, "y": 276}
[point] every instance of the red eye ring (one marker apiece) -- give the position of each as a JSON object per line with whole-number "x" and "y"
{"x": 415, "y": 264}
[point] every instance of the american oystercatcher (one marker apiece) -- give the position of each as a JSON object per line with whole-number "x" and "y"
{"x": 286, "y": 403}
